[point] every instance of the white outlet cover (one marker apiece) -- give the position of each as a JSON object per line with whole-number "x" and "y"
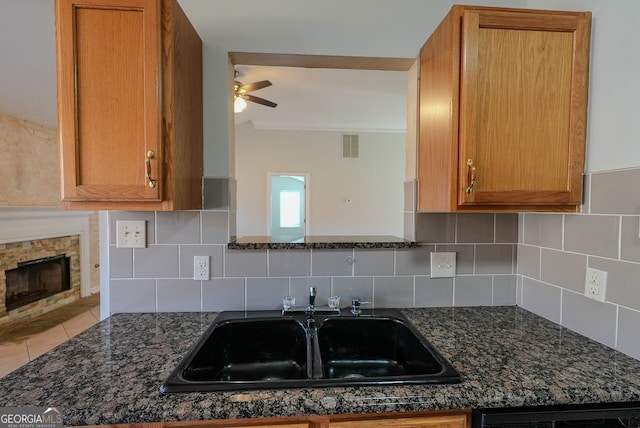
{"x": 595, "y": 284}
{"x": 201, "y": 266}
{"x": 443, "y": 265}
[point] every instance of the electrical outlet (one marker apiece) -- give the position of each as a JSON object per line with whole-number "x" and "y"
{"x": 595, "y": 284}
{"x": 443, "y": 265}
{"x": 131, "y": 234}
{"x": 201, "y": 267}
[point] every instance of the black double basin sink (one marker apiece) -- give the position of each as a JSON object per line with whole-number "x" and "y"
{"x": 265, "y": 349}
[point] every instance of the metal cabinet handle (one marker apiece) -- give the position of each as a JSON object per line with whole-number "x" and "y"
{"x": 472, "y": 176}
{"x": 150, "y": 155}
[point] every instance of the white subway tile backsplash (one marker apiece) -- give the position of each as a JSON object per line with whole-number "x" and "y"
{"x": 215, "y": 193}
{"x": 529, "y": 261}
{"x": 564, "y": 269}
{"x": 432, "y": 292}
{"x": 409, "y": 226}
{"x": 475, "y": 228}
{"x": 215, "y": 227}
{"x": 121, "y": 265}
{"x": 506, "y": 228}
{"x": 223, "y": 294}
{"x": 373, "y": 262}
{"x": 179, "y": 295}
{"x": 289, "y": 263}
{"x": 178, "y": 227}
{"x": 266, "y": 293}
{"x": 132, "y": 295}
{"x": 615, "y": 192}
{"x": 519, "y": 288}
{"x": 504, "y": 290}
{"x": 414, "y": 261}
{"x": 628, "y": 322}
{"x": 393, "y": 291}
{"x": 542, "y": 272}
{"x": 494, "y": 259}
{"x": 435, "y": 227}
{"x": 629, "y": 241}
{"x": 589, "y": 317}
{"x": 156, "y": 261}
{"x": 473, "y": 291}
{"x": 410, "y": 188}
{"x": 332, "y": 262}
{"x": 543, "y": 230}
{"x": 245, "y": 263}
{"x": 596, "y": 235}
{"x": 561, "y": 246}
{"x": 541, "y": 299}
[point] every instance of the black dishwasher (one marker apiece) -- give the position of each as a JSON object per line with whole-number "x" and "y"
{"x": 617, "y": 415}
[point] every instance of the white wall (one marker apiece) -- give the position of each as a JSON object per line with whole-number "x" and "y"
{"x": 614, "y": 87}
{"x": 374, "y": 181}
{"x": 216, "y": 112}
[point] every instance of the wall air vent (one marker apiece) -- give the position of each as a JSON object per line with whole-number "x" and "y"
{"x": 350, "y": 145}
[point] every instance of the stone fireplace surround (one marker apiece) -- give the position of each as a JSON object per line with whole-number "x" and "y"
{"x": 24, "y": 224}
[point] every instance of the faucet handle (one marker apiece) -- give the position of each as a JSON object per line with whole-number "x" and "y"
{"x": 355, "y": 306}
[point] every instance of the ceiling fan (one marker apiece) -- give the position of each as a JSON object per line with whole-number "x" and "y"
{"x": 240, "y": 94}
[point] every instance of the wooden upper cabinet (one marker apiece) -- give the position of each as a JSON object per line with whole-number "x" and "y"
{"x": 129, "y": 105}
{"x": 503, "y": 107}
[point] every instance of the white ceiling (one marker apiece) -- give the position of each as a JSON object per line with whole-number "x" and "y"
{"x": 328, "y": 99}
{"x": 307, "y": 98}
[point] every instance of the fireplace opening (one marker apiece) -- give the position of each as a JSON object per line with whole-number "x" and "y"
{"x": 36, "y": 279}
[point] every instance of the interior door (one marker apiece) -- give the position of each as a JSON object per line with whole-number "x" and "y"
{"x": 287, "y": 195}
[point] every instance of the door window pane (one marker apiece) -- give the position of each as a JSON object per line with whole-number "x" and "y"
{"x": 289, "y": 208}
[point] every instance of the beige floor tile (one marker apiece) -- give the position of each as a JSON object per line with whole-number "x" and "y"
{"x": 42, "y": 342}
{"x": 12, "y": 356}
{"x": 79, "y": 323}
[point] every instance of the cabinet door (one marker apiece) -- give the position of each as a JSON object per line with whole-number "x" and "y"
{"x": 444, "y": 421}
{"x": 109, "y": 103}
{"x": 523, "y": 99}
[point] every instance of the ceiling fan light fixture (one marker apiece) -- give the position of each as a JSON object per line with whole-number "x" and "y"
{"x": 239, "y": 104}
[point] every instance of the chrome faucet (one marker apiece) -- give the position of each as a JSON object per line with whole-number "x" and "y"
{"x": 355, "y": 306}
{"x": 312, "y": 298}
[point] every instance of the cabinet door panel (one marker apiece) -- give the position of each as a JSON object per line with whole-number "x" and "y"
{"x": 522, "y": 107}
{"x": 109, "y": 99}
{"x": 446, "y": 421}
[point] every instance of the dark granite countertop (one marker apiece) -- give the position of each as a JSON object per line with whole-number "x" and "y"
{"x": 507, "y": 356}
{"x": 320, "y": 242}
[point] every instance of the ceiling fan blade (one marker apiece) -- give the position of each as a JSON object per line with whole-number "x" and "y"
{"x": 255, "y": 86}
{"x": 259, "y": 100}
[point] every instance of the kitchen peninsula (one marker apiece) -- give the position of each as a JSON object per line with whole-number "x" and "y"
{"x": 508, "y": 357}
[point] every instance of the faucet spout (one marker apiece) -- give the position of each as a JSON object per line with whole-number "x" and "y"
{"x": 312, "y": 298}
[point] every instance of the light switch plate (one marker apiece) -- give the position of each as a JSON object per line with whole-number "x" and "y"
{"x": 443, "y": 265}
{"x": 131, "y": 234}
